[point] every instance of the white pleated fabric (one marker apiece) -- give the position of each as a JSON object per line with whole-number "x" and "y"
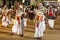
{"x": 39, "y": 30}
{"x": 25, "y": 22}
{"x": 51, "y": 23}
{"x": 17, "y": 28}
{"x": 5, "y": 23}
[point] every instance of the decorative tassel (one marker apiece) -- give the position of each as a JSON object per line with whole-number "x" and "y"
{"x": 37, "y": 24}
{"x": 18, "y": 18}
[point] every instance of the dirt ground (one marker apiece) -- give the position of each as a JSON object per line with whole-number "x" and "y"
{"x": 5, "y": 33}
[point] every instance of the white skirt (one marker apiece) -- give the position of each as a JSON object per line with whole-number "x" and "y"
{"x": 17, "y": 29}
{"x": 5, "y": 23}
{"x": 25, "y": 22}
{"x": 51, "y": 23}
{"x": 39, "y": 30}
{"x": 44, "y": 26}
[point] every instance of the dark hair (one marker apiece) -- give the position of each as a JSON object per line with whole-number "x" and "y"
{"x": 32, "y": 7}
{"x": 36, "y": 7}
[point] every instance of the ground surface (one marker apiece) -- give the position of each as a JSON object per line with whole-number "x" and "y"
{"x": 5, "y": 33}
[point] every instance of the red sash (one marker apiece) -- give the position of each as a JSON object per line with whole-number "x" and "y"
{"x": 37, "y": 24}
{"x": 18, "y": 18}
{"x": 40, "y": 18}
{"x": 5, "y": 14}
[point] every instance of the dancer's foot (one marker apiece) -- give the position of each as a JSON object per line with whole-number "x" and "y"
{"x": 40, "y": 39}
{"x": 21, "y": 35}
{"x": 51, "y": 28}
{"x": 12, "y": 33}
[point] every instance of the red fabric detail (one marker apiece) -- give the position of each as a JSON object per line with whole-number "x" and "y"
{"x": 50, "y": 13}
{"x": 40, "y": 17}
{"x": 5, "y": 18}
{"x": 18, "y": 18}
{"x": 37, "y": 24}
{"x": 5, "y": 14}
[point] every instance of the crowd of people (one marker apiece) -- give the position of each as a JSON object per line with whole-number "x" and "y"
{"x": 17, "y": 15}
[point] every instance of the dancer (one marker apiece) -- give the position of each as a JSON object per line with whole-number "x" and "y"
{"x": 51, "y": 17}
{"x": 40, "y": 22}
{"x": 5, "y": 19}
{"x": 18, "y": 24}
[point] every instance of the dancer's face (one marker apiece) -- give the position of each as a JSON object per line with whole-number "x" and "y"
{"x": 5, "y": 7}
{"x": 40, "y": 6}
